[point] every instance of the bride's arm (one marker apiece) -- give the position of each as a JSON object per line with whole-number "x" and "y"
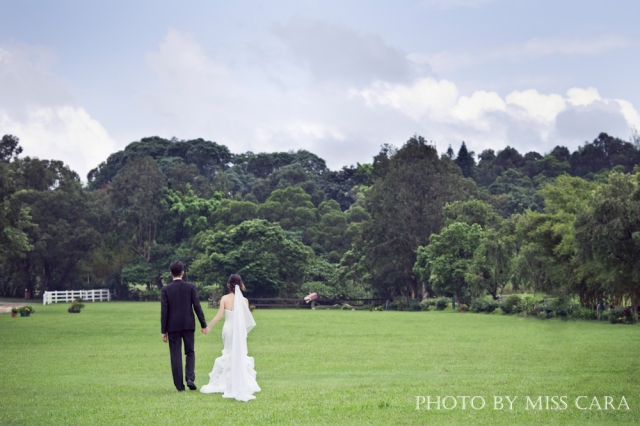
{"x": 218, "y": 315}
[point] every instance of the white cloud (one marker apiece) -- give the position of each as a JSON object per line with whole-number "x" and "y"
{"x": 63, "y": 133}
{"x": 544, "y": 107}
{"x": 346, "y": 120}
{"x": 472, "y": 108}
{"x": 527, "y": 119}
{"x": 41, "y": 110}
{"x": 578, "y": 96}
{"x": 423, "y": 96}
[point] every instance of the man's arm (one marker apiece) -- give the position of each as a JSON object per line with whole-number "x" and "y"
{"x": 196, "y": 307}
{"x": 164, "y": 311}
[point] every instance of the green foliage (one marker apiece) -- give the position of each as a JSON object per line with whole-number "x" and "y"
{"x": 622, "y": 315}
{"x": 76, "y": 306}
{"x": 150, "y": 295}
{"x": 482, "y": 304}
{"x": 444, "y": 263}
{"x": 269, "y": 263}
{"x": 510, "y": 305}
{"x": 581, "y": 313}
{"x": 608, "y": 235}
{"x": 411, "y": 185}
{"x": 442, "y": 303}
{"x": 27, "y": 309}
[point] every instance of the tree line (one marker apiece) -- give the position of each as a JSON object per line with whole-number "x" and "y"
{"x": 411, "y": 224}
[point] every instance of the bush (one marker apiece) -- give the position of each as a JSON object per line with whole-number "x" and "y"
{"x": 578, "y": 312}
{"x": 442, "y": 303}
{"x": 427, "y": 304}
{"x": 76, "y": 306}
{"x": 398, "y": 305}
{"x": 528, "y": 306}
{"x": 415, "y": 305}
{"x": 509, "y": 306}
{"x": 207, "y": 292}
{"x": 560, "y": 307}
{"x": 150, "y": 295}
{"x": 622, "y": 315}
{"x": 482, "y": 304}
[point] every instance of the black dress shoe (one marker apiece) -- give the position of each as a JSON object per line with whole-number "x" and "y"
{"x": 191, "y": 385}
{"x": 180, "y": 390}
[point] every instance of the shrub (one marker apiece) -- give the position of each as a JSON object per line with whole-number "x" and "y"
{"x": 207, "y": 292}
{"x": 578, "y": 312}
{"x": 427, "y": 304}
{"x": 527, "y": 306}
{"x": 463, "y": 307}
{"x": 509, "y": 306}
{"x": 498, "y": 311}
{"x": 150, "y": 295}
{"x": 398, "y": 305}
{"x": 622, "y": 315}
{"x": 560, "y": 307}
{"x": 76, "y": 306}
{"x": 442, "y": 303}
{"x": 482, "y": 304}
{"x": 414, "y": 305}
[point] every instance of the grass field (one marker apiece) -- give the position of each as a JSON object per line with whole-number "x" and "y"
{"x": 108, "y": 365}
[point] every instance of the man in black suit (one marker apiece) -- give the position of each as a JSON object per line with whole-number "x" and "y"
{"x": 179, "y": 300}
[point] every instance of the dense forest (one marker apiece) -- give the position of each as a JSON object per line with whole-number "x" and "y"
{"x": 410, "y": 225}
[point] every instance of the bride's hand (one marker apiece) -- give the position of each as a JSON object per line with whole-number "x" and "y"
{"x": 205, "y": 330}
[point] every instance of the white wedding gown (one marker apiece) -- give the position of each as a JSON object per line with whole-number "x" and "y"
{"x": 234, "y": 373}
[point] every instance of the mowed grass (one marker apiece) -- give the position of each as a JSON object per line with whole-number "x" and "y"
{"x": 108, "y": 365}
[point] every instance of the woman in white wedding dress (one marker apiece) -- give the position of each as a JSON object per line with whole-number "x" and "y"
{"x": 233, "y": 373}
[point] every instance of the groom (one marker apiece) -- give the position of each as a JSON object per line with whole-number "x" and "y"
{"x": 179, "y": 300}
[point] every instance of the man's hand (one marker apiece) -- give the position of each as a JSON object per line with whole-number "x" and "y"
{"x": 205, "y": 330}
{"x": 165, "y": 338}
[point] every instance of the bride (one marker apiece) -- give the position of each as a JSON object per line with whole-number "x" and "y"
{"x": 233, "y": 373}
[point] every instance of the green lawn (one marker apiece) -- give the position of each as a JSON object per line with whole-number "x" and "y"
{"x": 108, "y": 365}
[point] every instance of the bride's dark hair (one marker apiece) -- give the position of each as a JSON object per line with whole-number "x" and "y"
{"x": 235, "y": 280}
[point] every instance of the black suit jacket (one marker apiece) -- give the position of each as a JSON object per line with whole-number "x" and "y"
{"x": 179, "y": 300}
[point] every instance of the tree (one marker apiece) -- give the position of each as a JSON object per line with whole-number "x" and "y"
{"x": 139, "y": 196}
{"x": 466, "y": 162}
{"x": 491, "y": 269}
{"x": 269, "y": 263}
{"x": 547, "y": 257}
{"x": 14, "y": 216}
{"x": 411, "y": 185}
{"x": 66, "y": 224}
{"x": 446, "y": 261}
{"x": 609, "y": 233}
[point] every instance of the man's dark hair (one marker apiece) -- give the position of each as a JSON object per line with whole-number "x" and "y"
{"x": 176, "y": 268}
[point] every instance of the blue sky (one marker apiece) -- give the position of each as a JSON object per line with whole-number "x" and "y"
{"x": 80, "y": 79}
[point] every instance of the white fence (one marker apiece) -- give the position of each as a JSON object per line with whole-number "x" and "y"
{"x": 102, "y": 295}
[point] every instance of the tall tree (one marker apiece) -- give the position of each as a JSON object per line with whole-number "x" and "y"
{"x": 466, "y": 162}
{"x": 139, "y": 195}
{"x": 609, "y": 233}
{"x": 405, "y": 202}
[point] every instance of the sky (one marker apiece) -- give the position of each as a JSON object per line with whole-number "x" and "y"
{"x": 81, "y": 79}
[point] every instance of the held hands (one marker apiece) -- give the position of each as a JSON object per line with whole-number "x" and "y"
{"x": 205, "y": 330}
{"x": 164, "y": 337}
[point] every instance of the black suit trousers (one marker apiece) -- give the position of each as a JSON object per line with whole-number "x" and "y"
{"x": 176, "y": 338}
